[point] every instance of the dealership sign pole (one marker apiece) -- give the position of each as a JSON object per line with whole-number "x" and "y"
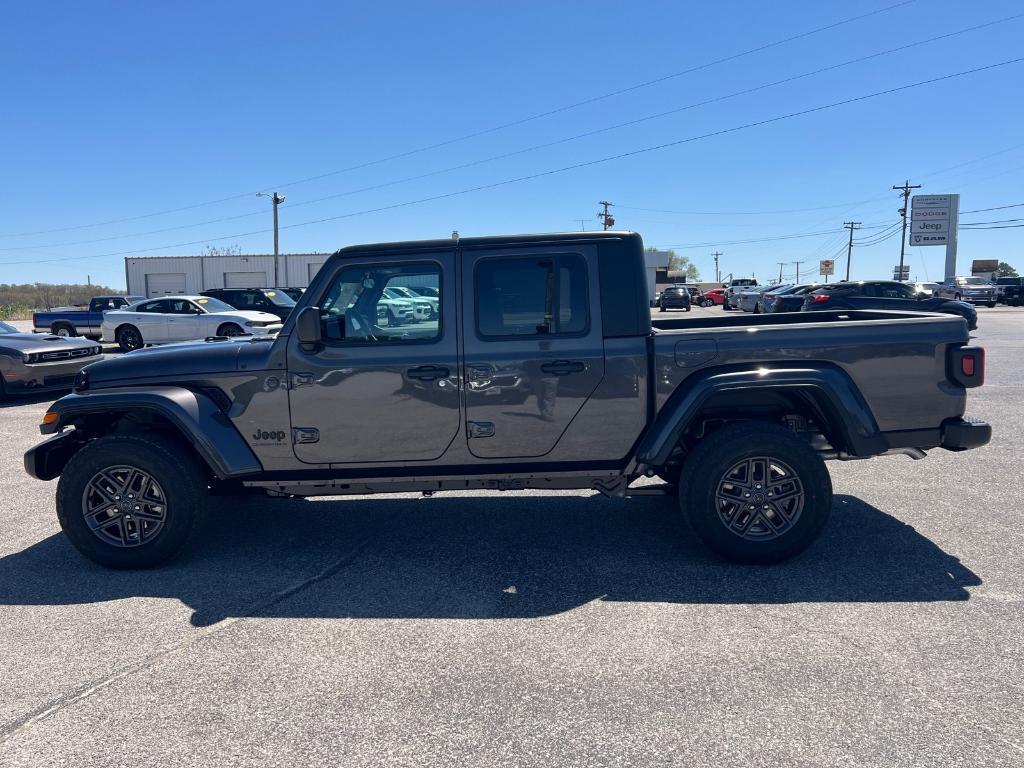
{"x": 933, "y": 221}
{"x": 826, "y": 267}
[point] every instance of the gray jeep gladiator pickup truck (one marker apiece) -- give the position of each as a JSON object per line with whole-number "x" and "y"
{"x": 543, "y": 369}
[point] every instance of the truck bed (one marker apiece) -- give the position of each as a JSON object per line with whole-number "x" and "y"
{"x": 886, "y": 354}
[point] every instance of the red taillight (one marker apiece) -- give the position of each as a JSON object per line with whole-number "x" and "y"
{"x": 820, "y": 298}
{"x": 967, "y": 365}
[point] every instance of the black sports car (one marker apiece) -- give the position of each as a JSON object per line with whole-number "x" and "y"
{"x": 35, "y": 362}
{"x": 884, "y": 294}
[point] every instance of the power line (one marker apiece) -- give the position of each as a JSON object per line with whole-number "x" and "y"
{"x": 576, "y": 166}
{"x": 996, "y": 208}
{"x": 547, "y": 145}
{"x": 493, "y": 129}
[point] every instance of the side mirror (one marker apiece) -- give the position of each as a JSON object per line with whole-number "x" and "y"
{"x": 307, "y": 329}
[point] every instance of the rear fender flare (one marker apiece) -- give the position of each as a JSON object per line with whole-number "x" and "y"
{"x": 194, "y": 415}
{"x": 831, "y": 389}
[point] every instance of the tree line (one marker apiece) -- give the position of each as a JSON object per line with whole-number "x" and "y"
{"x": 18, "y": 301}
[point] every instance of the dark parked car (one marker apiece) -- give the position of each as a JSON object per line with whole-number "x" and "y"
{"x": 789, "y": 299}
{"x": 545, "y": 372}
{"x": 294, "y": 293}
{"x": 273, "y": 301}
{"x": 1010, "y": 290}
{"x": 32, "y": 362}
{"x": 884, "y": 294}
{"x": 675, "y": 297}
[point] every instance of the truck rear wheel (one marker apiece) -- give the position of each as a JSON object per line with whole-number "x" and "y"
{"x": 755, "y": 493}
{"x": 130, "y": 501}
{"x": 63, "y": 329}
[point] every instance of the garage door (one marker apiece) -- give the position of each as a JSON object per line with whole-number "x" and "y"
{"x": 165, "y": 283}
{"x": 313, "y": 269}
{"x": 245, "y": 279}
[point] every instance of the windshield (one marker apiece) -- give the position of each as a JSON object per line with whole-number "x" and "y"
{"x": 280, "y": 298}
{"x": 214, "y": 305}
{"x": 972, "y": 281}
{"x": 5, "y": 328}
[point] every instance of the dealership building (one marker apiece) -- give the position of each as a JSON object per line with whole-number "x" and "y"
{"x": 169, "y": 275}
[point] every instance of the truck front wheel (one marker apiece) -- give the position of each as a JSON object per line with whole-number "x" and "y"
{"x": 755, "y": 493}
{"x": 130, "y": 501}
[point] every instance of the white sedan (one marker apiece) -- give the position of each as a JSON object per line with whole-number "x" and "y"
{"x": 182, "y": 318}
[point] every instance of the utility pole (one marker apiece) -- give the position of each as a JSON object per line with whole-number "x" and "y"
{"x": 276, "y": 199}
{"x": 607, "y": 220}
{"x": 905, "y": 190}
{"x": 850, "y": 225}
{"x": 781, "y": 265}
{"x": 798, "y": 263}
{"x": 583, "y": 224}
{"x": 718, "y": 276}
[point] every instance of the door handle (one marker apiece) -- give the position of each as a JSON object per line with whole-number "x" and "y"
{"x": 563, "y": 367}
{"x": 480, "y": 373}
{"x": 428, "y": 373}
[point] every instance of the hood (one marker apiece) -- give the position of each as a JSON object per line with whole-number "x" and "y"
{"x": 28, "y": 343}
{"x": 186, "y": 359}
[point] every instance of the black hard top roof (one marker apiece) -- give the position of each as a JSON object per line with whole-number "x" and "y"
{"x": 491, "y": 241}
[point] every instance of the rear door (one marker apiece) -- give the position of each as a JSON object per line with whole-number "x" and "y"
{"x": 182, "y": 320}
{"x": 150, "y": 318}
{"x": 533, "y": 347}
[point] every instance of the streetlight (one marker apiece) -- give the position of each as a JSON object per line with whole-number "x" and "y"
{"x": 276, "y": 199}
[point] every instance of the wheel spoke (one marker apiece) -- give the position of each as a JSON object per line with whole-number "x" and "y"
{"x": 759, "y": 498}
{"x": 136, "y": 499}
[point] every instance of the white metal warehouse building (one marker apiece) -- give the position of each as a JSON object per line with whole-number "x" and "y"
{"x": 167, "y": 275}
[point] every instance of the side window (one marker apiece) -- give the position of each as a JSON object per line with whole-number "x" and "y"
{"x": 358, "y": 308}
{"x": 531, "y": 296}
{"x": 152, "y": 306}
{"x": 180, "y": 307}
{"x": 871, "y": 289}
{"x": 905, "y": 292}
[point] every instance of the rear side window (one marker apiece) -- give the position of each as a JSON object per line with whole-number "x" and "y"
{"x": 531, "y": 296}
{"x": 152, "y": 306}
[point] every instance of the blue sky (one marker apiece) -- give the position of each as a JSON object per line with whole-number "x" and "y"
{"x": 117, "y": 111}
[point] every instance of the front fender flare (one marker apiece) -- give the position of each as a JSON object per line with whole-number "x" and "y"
{"x": 832, "y": 389}
{"x": 193, "y": 414}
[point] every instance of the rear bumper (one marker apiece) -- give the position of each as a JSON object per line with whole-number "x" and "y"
{"x": 964, "y": 434}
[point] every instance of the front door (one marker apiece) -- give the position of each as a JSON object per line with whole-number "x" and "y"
{"x": 534, "y": 352}
{"x": 376, "y": 392}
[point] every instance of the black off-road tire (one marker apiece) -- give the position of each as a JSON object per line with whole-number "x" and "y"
{"x": 178, "y": 474}
{"x": 706, "y": 477}
{"x": 129, "y": 338}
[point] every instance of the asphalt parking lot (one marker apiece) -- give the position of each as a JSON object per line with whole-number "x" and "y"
{"x": 534, "y": 628}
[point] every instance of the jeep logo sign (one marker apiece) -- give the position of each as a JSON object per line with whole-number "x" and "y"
{"x": 261, "y": 434}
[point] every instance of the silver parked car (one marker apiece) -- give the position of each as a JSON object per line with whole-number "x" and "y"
{"x": 31, "y": 362}
{"x": 749, "y": 298}
{"x": 974, "y": 290}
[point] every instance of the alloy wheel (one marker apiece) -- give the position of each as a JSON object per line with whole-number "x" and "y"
{"x": 759, "y": 498}
{"x": 124, "y": 506}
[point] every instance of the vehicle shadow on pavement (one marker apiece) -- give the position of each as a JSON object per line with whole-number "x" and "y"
{"x": 484, "y": 557}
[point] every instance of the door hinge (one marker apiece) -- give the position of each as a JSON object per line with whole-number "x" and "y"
{"x": 305, "y": 435}
{"x": 301, "y": 380}
{"x": 479, "y": 429}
